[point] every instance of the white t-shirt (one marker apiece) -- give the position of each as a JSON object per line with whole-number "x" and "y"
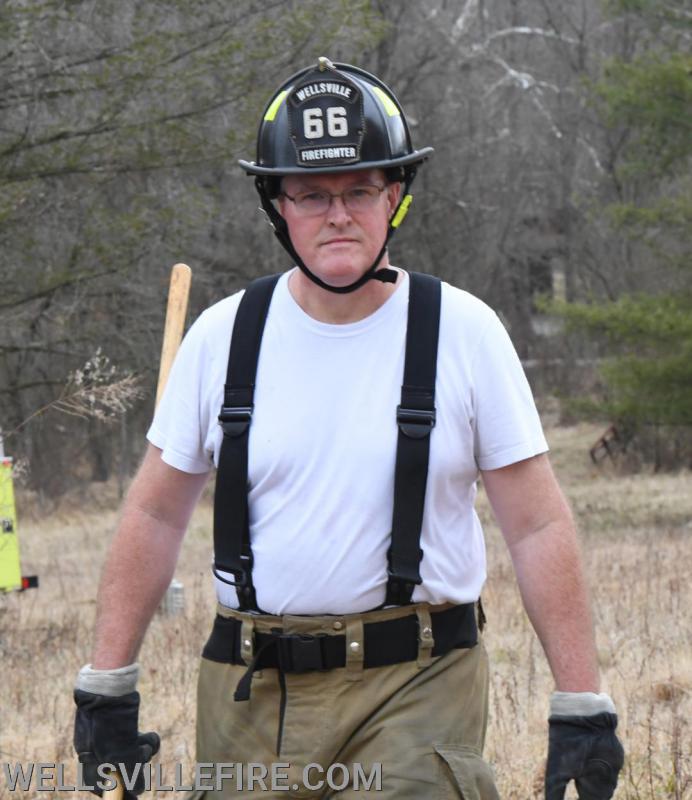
{"x": 323, "y": 438}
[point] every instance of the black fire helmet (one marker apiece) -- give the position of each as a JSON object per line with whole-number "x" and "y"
{"x": 332, "y": 118}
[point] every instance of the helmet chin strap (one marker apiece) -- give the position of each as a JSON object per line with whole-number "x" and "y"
{"x": 385, "y": 275}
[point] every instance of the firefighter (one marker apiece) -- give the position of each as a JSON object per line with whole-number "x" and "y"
{"x": 349, "y": 407}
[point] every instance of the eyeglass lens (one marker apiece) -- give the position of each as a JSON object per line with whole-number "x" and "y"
{"x": 357, "y": 198}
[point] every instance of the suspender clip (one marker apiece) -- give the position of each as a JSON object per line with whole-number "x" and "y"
{"x": 405, "y": 576}
{"x": 401, "y": 579}
{"x": 399, "y": 590}
{"x": 241, "y": 574}
{"x": 415, "y": 423}
{"x": 235, "y": 420}
{"x": 405, "y": 571}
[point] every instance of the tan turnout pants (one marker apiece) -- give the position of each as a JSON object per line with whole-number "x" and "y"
{"x": 423, "y": 722}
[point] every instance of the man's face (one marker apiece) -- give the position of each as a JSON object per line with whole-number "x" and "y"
{"x": 339, "y": 245}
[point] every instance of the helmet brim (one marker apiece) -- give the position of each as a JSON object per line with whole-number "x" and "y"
{"x": 416, "y": 157}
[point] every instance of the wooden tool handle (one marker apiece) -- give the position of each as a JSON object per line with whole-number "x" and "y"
{"x": 176, "y": 310}
{"x": 118, "y": 792}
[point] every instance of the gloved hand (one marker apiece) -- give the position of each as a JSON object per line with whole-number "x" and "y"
{"x": 105, "y": 732}
{"x": 586, "y": 749}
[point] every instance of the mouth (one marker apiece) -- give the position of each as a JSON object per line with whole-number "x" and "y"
{"x": 338, "y": 240}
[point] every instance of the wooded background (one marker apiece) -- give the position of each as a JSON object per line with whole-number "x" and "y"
{"x": 559, "y": 193}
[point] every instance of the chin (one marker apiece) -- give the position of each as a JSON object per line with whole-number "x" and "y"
{"x": 340, "y": 274}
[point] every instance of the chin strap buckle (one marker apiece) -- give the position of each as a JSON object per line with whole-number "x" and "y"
{"x": 385, "y": 275}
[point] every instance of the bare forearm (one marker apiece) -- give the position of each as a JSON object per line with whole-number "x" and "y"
{"x": 138, "y": 570}
{"x": 142, "y": 557}
{"x": 537, "y": 524}
{"x": 553, "y": 589}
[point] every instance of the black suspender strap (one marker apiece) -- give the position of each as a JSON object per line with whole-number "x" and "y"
{"x": 416, "y": 419}
{"x": 232, "y": 550}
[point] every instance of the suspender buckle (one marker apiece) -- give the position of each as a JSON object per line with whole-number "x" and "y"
{"x": 241, "y": 574}
{"x": 235, "y": 420}
{"x": 416, "y": 423}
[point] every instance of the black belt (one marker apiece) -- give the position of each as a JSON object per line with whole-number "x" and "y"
{"x": 391, "y": 641}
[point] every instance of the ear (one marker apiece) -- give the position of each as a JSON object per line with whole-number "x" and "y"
{"x": 393, "y": 196}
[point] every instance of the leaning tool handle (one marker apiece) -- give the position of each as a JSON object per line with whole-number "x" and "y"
{"x": 176, "y": 310}
{"x": 116, "y": 793}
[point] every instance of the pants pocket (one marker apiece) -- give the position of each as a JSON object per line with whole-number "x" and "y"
{"x": 464, "y": 774}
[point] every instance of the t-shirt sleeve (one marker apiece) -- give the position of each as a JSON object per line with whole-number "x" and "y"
{"x": 180, "y": 421}
{"x": 507, "y": 427}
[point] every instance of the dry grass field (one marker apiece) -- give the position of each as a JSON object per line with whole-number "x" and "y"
{"x": 636, "y": 532}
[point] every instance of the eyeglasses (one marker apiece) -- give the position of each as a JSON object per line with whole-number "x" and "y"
{"x": 317, "y": 202}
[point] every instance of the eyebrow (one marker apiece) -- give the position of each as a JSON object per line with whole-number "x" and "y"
{"x": 304, "y": 187}
{"x": 305, "y": 183}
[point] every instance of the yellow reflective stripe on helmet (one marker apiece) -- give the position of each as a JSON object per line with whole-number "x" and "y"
{"x": 274, "y": 107}
{"x": 402, "y": 212}
{"x": 389, "y": 105}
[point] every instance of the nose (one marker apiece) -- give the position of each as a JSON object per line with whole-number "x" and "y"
{"x": 337, "y": 214}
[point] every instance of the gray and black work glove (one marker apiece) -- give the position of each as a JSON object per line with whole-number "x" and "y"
{"x": 583, "y": 748}
{"x": 105, "y": 732}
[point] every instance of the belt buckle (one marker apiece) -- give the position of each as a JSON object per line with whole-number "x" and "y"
{"x": 300, "y": 652}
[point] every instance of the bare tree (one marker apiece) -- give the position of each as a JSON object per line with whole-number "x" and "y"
{"x": 120, "y": 125}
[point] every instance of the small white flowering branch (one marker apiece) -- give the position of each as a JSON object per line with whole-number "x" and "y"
{"x": 94, "y": 391}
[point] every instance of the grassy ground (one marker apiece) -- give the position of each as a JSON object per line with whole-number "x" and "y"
{"x": 636, "y": 533}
